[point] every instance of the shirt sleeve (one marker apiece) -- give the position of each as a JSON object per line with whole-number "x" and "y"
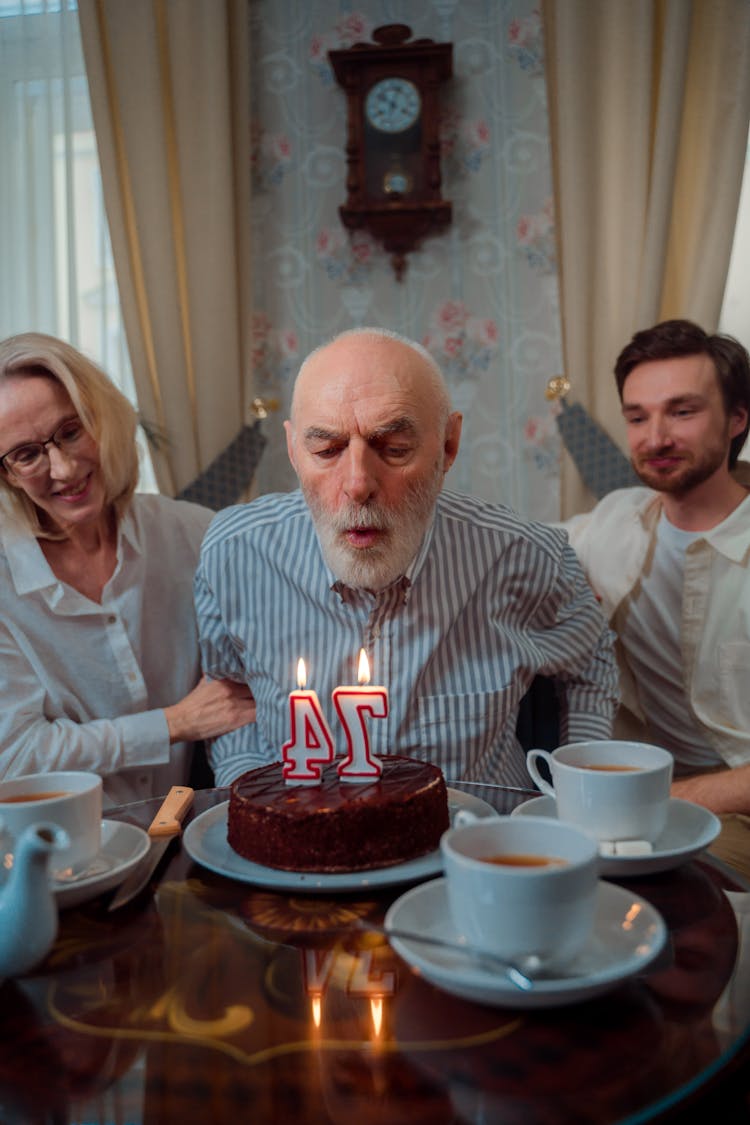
{"x": 578, "y": 650}
{"x": 576, "y": 528}
{"x": 237, "y": 751}
{"x": 32, "y": 743}
{"x": 234, "y": 753}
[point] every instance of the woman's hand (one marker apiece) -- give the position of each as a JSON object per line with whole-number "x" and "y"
{"x": 212, "y": 708}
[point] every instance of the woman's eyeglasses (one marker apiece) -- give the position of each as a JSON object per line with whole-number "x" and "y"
{"x": 26, "y": 460}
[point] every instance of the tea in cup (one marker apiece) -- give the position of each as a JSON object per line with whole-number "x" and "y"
{"x": 70, "y": 799}
{"x": 614, "y": 790}
{"x": 521, "y": 887}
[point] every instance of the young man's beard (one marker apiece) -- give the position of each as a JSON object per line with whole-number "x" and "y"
{"x": 688, "y": 475}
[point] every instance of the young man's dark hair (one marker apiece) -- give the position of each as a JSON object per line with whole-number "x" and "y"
{"x": 675, "y": 338}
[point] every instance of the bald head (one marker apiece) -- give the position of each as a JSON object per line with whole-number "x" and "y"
{"x": 367, "y": 356}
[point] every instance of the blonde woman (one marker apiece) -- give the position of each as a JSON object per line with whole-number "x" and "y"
{"x": 99, "y": 660}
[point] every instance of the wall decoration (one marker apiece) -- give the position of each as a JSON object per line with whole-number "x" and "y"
{"x": 347, "y": 258}
{"x": 274, "y": 351}
{"x": 270, "y": 156}
{"x": 464, "y": 346}
{"x": 463, "y": 144}
{"x": 536, "y": 239}
{"x": 526, "y": 42}
{"x": 351, "y": 28}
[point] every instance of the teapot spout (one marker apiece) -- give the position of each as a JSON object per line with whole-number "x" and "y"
{"x": 28, "y": 911}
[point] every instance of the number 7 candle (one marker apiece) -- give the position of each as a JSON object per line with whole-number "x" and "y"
{"x": 352, "y": 704}
{"x": 310, "y": 744}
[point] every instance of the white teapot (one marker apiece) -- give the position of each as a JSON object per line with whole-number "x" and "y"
{"x": 28, "y": 911}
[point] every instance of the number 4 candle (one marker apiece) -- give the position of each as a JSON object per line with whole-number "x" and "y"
{"x": 311, "y": 744}
{"x": 352, "y": 704}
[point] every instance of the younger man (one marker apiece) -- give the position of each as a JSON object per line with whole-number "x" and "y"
{"x": 671, "y": 564}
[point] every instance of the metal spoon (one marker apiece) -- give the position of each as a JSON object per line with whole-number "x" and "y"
{"x": 488, "y": 962}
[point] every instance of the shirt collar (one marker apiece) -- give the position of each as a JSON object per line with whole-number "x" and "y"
{"x": 28, "y": 567}
{"x": 730, "y": 538}
{"x": 128, "y": 533}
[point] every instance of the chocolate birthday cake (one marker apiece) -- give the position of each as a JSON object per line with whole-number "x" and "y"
{"x": 338, "y": 826}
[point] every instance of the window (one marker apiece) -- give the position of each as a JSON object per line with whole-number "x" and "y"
{"x": 56, "y": 269}
{"x": 735, "y": 309}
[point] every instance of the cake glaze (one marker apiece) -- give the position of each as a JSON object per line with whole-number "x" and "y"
{"x": 338, "y": 826}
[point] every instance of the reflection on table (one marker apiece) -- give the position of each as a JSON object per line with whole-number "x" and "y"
{"x": 209, "y": 999}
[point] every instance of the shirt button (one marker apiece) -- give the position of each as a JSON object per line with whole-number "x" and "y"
{"x": 112, "y": 619}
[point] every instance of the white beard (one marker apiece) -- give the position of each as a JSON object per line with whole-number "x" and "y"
{"x": 374, "y": 568}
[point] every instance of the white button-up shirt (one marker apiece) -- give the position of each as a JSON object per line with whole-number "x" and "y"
{"x": 84, "y": 684}
{"x": 613, "y": 542}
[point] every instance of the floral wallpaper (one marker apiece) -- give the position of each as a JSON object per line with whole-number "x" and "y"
{"x": 482, "y": 296}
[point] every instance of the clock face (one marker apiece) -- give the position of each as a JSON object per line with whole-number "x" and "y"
{"x": 392, "y": 105}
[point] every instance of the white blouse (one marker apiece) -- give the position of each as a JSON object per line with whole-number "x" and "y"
{"x": 83, "y": 685}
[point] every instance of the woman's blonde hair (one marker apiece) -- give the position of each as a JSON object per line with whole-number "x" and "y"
{"x": 106, "y": 414}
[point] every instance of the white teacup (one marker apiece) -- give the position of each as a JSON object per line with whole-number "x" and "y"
{"x": 70, "y": 799}
{"x": 539, "y": 901}
{"x": 614, "y": 790}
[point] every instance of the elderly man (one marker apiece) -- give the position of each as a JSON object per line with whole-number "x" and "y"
{"x": 671, "y": 563}
{"x": 458, "y": 603}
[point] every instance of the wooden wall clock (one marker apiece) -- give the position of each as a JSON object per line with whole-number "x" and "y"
{"x": 392, "y": 144}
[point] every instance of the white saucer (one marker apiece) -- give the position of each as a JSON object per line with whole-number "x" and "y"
{"x": 628, "y": 935}
{"x": 123, "y": 846}
{"x": 205, "y": 840}
{"x": 690, "y": 829}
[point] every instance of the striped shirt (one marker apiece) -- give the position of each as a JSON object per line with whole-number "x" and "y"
{"x": 490, "y": 601}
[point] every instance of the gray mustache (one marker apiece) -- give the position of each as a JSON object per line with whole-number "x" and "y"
{"x": 357, "y": 518}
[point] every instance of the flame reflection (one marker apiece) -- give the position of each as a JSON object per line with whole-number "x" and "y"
{"x": 633, "y": 911}
{"x": 316, "y": 1007}
{"x": 376, "y": 1010}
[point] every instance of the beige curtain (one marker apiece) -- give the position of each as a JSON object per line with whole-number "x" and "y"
{"x": 649, "y": 107}
{"x": 169, "y": 89}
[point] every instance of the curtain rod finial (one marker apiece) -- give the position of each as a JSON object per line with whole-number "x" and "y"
{"x": 557, "y": 388}
{"x": 262, "y": 407}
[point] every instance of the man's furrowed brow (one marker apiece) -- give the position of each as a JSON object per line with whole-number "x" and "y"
{"x": 320, "y": 433}
{"x": 403, "y": 425}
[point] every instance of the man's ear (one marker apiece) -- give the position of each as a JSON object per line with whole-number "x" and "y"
{"x": 290, "y": 443}
{"x": 452, "y": 439}
{"x": 737, "y": 420}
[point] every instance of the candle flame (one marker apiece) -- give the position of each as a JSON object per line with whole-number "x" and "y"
{"x": 376, "y": 1010}
{"x": 316, "y": 1010}
{"x": 301, "y": 673}
{"x": 364, "y": 668}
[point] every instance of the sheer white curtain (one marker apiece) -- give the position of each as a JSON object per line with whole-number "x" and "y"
{"x": 735, "y": 309}
{"x": 56, "y": 271}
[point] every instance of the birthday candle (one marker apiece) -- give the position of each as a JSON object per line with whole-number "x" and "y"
{"x": 310, "y": 745}
{"x": 353, "y": 703}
